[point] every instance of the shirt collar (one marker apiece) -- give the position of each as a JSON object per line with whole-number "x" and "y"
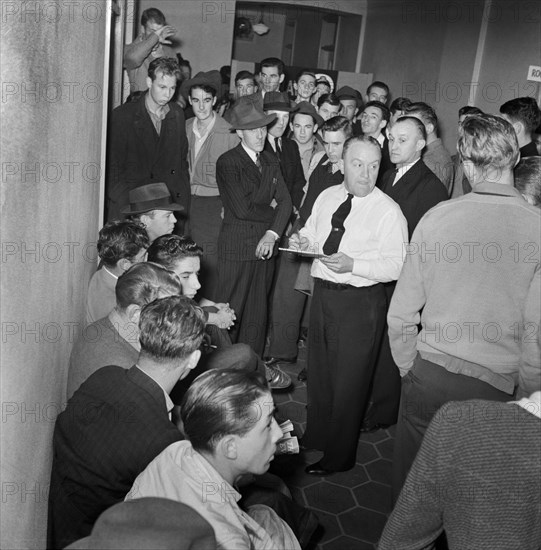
{"x": 158, "y": 113}
{"x": 532, "y": 404}
{"x": 497, "y": 189}
{"x": 251, "y": 153}
{"x": 208, "y": 128}
{"x": 336, "y": 166}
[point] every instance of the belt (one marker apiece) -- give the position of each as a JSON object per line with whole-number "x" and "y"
{"x": 330, "y": 285}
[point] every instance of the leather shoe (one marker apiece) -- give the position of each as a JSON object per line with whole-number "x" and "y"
{"x": 369, "y": 429}
{"x": 272, "y": 361}
{"x": 317, "y": 469}
{"x": 302, "y": 376}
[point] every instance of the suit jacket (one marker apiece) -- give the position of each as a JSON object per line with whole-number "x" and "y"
{"x": 112, "y": 427}
{"x": 291, "y": 165}
{"x": 416, "y": 192}
{"x": 137, "y": 155}
{"x": 247, "y": 195}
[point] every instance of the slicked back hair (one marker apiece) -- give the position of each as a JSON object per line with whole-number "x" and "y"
{"x": 337, "y": 123}
{"x": 421, "y": 129}
{"x": 523, "y": 109}
{"x": 360, "y": 139}
{"x": 425, "y": 112}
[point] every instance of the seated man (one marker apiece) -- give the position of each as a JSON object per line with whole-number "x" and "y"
{"x": 523, "y": 113}
{"x": 121, "y": 244}
{"x": 228, "y": 419}
{"x": 528, "y": 179}
{"x": 119, "y": 420}
{"x": 151, "y": 205}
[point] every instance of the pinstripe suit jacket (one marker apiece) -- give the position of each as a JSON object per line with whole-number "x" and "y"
{"x": 112, "y": 427}
{"x": 247, "y": 195}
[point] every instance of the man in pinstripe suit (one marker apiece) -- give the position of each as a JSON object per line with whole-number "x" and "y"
{"x": 257, "y": 207}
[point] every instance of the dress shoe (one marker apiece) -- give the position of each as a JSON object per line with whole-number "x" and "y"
{"x": 317, "y": 469}
{"x": 302, "y": 376}
{"x": 277, "y": 379}
{"x": 371, "y": 428}
{"x": 271, "y": 361}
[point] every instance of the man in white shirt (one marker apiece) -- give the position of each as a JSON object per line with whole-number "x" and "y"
{"x": 358, "y": 233}
{"x": 228, "y": 420}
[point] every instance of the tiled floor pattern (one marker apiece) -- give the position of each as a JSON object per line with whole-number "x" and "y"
{"x": 352, "y": 506}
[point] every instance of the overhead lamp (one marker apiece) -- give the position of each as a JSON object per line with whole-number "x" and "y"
{"x": 260, "y": 28}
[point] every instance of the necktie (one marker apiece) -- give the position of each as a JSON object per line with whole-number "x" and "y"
{"x": 258, "y": 162}
{"x": 393, "y": 177}
{"x": 337, "y": 232}
{"x": 329, "y": 168}
{"x": 278, "y": 147}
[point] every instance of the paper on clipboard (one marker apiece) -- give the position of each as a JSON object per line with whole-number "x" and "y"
{"x": 304, "y": 253}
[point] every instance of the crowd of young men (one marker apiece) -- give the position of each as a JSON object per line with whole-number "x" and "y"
{"x": 411, "y": 300}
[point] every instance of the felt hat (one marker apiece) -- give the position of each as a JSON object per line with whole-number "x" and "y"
{"x": 278, "y": 101}
{"x": 247, "y": 114}
{"x": 210, "y": 78}
{"x": 347, "y": 92}
{"x": 324, "y": 78}
{"x": 140, "y": 524}
{"x": 306, "y": 108}
{"x": 153, "y": 196}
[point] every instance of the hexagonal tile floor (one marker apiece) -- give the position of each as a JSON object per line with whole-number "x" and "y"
{"x": 352, "y": 506}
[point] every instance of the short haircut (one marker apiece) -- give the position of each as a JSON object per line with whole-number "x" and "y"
{"x": 184, "y": 63}
{"x": 528, "y": 178}
{"x": 378, "y": 84}
{"x": 399, "y": 104}
{"x": 273, "y": 62}
{"x": 469, "y": 110}
{"x": 488, "y": 140}
{"x": 523, "y": 109}
{"x": 152, "y": 14}
{"x": 167, "y": 250}
{"x": 207, "y": 88}
{"x": 360, "y": 139}
{"x": 143, "y": 283}
{"x": 382, "y": 107}
{"x": 331, "y": 99}
{"x": 421, "y": 129}
{"x": 305, "y": 72}
{"x": 171, "y": 328}
{"x": 425, "y": 111}
{"x": 245, "y": 75}
{"x": 168, "y": 66}
{"x": 120, "y": 240}
{"x": 337, "y": 123}
{"x": 220, "y": 403}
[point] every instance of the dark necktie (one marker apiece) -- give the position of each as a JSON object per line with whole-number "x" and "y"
{"x": 258, "y": 162}
{"x": 337, "y": 232}
{"x": 278, "y": 148}
{"x": 329, "y": 167}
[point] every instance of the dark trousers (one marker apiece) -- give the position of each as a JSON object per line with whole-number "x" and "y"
{"x": 246, "y": 287}
{"x": 287, "y": 308}
{"x": 425, "y": 389}
{"x": 346, "y": 326}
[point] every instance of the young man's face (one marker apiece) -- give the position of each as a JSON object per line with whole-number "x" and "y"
{"x": 334, "y": 144}
{"x": 305, "y": 86}
{"x": 162, "y": 88}
{"x": 327, "y": 110}
{"x": 255, "y": 449}
{"x": 405, "y": 145}
{"x": 158, "y": 223}
{"x": 254, "y": 139}
{"x": 202, "y": 103}
{"x": 245, "y": 86}
{"x": 361, "y": 165}
{"x": 303, "y": 128}
{"x": 349, "y": 108}
{"x": 377, "y": 94}
{"x": 271, "y": 79}
{"x": 372, "y": 121}
{"x": 187, "y": 271}
{"x": 278, "y": 127}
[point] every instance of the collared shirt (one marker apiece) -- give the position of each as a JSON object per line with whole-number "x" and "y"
{"x": 168, "y": 403}
{"x": 403, "y": 169}
{"x": 380, "y": 139}
{"x": 200, "y": 138}
{"x": 272, "y": 140}
{"x": 180, "y": 473}
{"x": 375, "y": 233}
{"x": 156, "y": 116}
{"x": 532, "y": 404}
{"x": 307, "y": 152}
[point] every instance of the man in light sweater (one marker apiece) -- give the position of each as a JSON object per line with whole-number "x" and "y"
{"x": 472, "y": 280}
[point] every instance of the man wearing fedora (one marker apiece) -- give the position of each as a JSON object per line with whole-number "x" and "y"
{"x": 151, "y": 205}
{"x": 209, "y": 136}
{"x": 119, "y": 420}
{"x": 257, "y": 208}
{"x": 148, "y": 142}
{"x": 352, "y": 102}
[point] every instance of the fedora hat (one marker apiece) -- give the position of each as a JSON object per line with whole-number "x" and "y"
{"x": 247, "y": 114}
{"x": 153, "y": 196}
{"x": 140, "y": 524}
{"x": 306, "y": 108}
{"x": 347, "y": 92}
{"x": 278, "y": 101}
{"x": 210, "y": 78}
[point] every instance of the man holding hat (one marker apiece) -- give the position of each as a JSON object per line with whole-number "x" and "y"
{"x": 151, "y": 205}
{"x": 352, "y": 102}
{"x": 257, "y": 207}
{"x": 209, "y": 136}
